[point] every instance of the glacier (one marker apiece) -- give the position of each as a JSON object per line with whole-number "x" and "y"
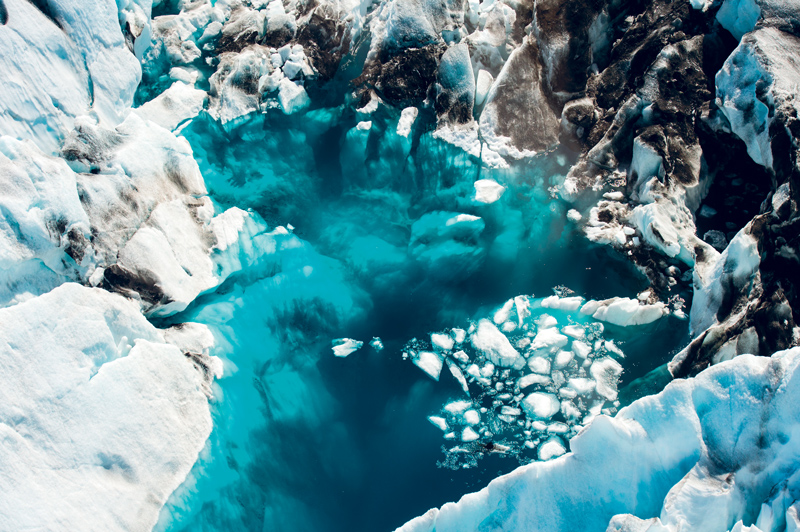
{"x": 312, "y": 265}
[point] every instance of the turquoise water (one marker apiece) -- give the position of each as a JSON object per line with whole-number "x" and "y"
{"x": 307, "y": 441}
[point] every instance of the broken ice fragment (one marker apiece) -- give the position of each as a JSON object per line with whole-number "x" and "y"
{"x": 459, "y": 335}
{"x": 461, "y": 357}
{"x": 549, "y": 339}
{"x": 606, "y": 372}
{"x": 439, "y": 422}
{"x": 541, "y": 405}
{"x": 376, "y": 344}
{"x": 469, "y": 435}
{"x": 563, "y": 358}
{"x": 442, "y": 341}
{"x": 531, "y": 379}
{"x": 495, "y": 345}
{"x": 574, "y": 331}
{"x": 430, "y": 363}
{"x": 552, "y": 448}
{"x": 562, "y": 303}
{"x": 459, "y": 376}
{"x": 539, "y": 365}
{"x": 581, "y": 385}
{"x": 472, "y": 417}
{"x": 345, "y": 346}
{"x": 581, "y": 349}
{"x": 503, "y": 313}
{"x": 488, "y": 191}
{"x": 457, "y": 407}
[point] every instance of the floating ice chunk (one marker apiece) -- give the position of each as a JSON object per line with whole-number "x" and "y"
{"x": 549, "y": 339}
{"x": 407, "y": 117}
{"x": 541, "y": 405}
{"x": 552, "y": 448}
{"x": 469, "y": 435}
{"x": 430, "y": 363}
{"x": 567, "y": 393}
{"x": 581, "y": 386}
{"x": 364, "y": 125}
{"x": 570, "y": 412}
{"x": 474, "y": 371}
{"x": 510, "y": 411}
{"x": 495, "y": 345}
{"x": 531, "y": 379}
{"x": 546, "y": 321}
{"x": 625, "y": 312}
{"x": 558, "y": 428}
{"x": 574, "y": 331}
{"x": 503, "y": 312}
{"x": 488, "y": 370}
{"x": 292, "y": 97}
{"x": 458, "y": 375}
{"x": 539, "y": 365}
{"x": 472, "y": 417}
{"x": 345, "y": 346}
{"x": 508, "y": 326}
{"x": 442, "y": 340}
{"x": 581, "y": 349}
{"x": 612, "y": 347}
{"x": 539, "y": 426}
{"x": 606, "y": 372}
{"x": 459, "y": 335}
{"x": 488, "y": 191}
{"x": 461, "y": 357}
{"x": 568, "y": 304}
{"x": 563, "y": 358}
{"x": 376, "y": 344}
{"x": 439, "y": 422}
{"x": 450, "y": 436}
{"x": 458, "y": 408}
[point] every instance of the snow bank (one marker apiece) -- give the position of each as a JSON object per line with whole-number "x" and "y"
{"x": 690, "y": 458}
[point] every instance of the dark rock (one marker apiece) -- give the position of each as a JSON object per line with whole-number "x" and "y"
{"x": 120, "y": 279}
{"x": 324, "y": 41}
{"x": 519, "y": 108}
{"x": 406, "y": 78}
{"x": 563, "y": 33}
